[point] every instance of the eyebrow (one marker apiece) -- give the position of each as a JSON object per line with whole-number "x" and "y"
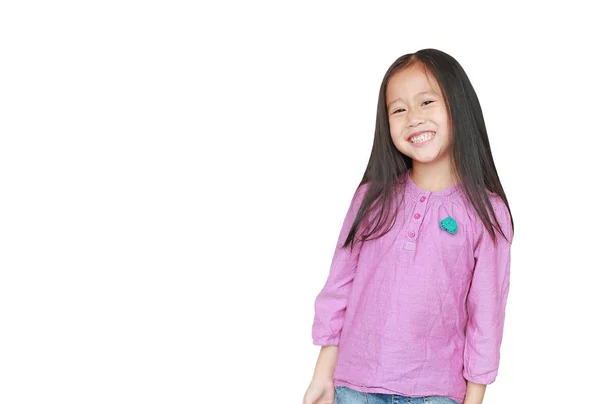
{"x": 421, "y": 93}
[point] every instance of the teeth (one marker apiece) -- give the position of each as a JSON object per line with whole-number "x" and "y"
{"x": 423, "y": 137}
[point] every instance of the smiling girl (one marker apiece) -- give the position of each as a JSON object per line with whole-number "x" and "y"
{"x": 413, "y": 307}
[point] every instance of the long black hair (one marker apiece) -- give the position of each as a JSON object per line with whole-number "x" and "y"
{"x": 471, "y": 156}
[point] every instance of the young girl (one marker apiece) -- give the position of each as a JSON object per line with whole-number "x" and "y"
{"x": 413, "y": 308}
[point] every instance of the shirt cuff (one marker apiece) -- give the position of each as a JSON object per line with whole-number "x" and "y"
{"x": 487, "y": 378}
{"x": 326, "y": 341}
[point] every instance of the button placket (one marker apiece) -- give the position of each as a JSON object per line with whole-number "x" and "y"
{"x": 415, "y": 223}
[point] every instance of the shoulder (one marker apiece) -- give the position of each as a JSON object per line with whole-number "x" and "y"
{"x": 496, "y": 201}
{"x": 500, "y": 211}
{"x": 499, "y": 206}
{"x": 362, "y": 188}
{"x": 502, "y": 214}
{"x": 359, "y": 193}
{"x": 357, "y": 198}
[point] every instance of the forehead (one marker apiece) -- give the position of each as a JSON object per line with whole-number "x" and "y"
{"x": 409, "y": 82}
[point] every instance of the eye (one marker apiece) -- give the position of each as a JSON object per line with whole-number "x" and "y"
{"x": 426, "y": 102}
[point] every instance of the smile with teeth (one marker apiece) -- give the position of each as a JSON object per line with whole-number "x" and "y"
{"x": 423, "y": 137}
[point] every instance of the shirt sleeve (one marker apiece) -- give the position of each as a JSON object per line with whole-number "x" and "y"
{"x": 486, "y": 301}
{"x": 330, "y": 304}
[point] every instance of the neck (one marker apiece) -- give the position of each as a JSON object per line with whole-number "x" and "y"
{"x": 433, "y": 177}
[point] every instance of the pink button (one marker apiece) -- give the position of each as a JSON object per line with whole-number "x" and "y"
{"x": 411, "y": 234}
{"x": 422, "y": 199}
{"x": 416, "y": 216}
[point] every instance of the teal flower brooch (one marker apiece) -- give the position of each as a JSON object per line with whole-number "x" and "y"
{"x": 449, "y": 225}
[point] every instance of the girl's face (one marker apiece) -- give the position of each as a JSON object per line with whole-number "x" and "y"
{"x": 419, "y": 120}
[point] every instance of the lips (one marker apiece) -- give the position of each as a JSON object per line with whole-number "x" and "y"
{"x": 421, "y": 136}
{"x": 419, "y": 133}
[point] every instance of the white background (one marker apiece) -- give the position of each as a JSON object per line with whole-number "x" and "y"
{"x": 174, "y": 175}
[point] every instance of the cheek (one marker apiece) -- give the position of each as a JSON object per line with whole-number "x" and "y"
{"x": 447, "y": 128}
{"x": 443, "y": 120}
{"x": 395, "y": 128}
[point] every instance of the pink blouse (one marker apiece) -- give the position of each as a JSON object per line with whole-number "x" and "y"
{"x": 420, "y": 310}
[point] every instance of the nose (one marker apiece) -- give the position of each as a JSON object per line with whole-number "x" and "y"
{"x": 414, "y": 119}
{"x": 414, "y": 122}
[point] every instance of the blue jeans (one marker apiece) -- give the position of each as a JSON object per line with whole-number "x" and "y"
{"x": 345, "y": 395}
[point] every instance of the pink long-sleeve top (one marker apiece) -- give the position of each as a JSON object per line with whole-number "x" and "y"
{"x": 419, "y": 311}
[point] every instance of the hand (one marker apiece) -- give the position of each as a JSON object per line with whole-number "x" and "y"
{"x": 320, "y": 392}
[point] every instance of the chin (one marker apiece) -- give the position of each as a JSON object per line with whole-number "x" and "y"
{"x": 428, "y": 159}
{"x": 422, "y": 161}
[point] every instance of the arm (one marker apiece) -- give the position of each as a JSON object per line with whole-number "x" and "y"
{"x": 475, "y": 393}
{"x": 330, "y": 304}
{"x": 486, "y": 304}
{"x": 326, "y": 363}
{"x": 321, "y": 388}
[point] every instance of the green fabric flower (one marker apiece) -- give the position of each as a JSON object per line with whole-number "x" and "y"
{"x": 449, "y": 225}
